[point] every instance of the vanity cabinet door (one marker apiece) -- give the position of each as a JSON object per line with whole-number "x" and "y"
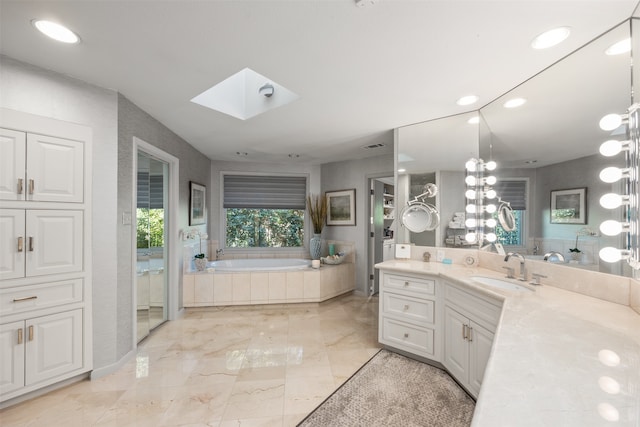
{"x": 12, "y": 243}
{"x": 456, "y": 347}
{"x": 12, "y": 164}
{"x": 481, "y": 340}
{"x": 11, "y": 357}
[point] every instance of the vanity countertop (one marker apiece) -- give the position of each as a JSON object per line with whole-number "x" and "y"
{"x": 559, "y": 358}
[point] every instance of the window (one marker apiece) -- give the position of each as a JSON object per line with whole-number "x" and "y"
{"x": 515, "y": 192}
{"x": 264, "y": 211}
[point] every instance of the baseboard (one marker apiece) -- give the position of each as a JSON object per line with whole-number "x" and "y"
{"x": 109, "y": 369}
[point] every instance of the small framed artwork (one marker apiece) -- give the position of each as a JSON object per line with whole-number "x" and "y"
{"x": 569, "y": 206}
{"x": 341, "y": 207}
{"x": 197, "y": 204}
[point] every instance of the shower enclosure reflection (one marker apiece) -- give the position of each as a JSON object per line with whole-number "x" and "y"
{"x": 151, "y": 280}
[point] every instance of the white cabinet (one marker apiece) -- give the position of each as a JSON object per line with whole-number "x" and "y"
{"x": 408, "y": 314}
{"x": 40, "y": 242}
{"x": 470, "y": 320}
{"x": 40, "y": 168}
{"x": 39, "y": 349}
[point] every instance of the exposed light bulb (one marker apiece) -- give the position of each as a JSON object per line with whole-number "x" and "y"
{"x": 491, "y": 208}
{"x": 611, "y": 201}
{"x": 470, "y": 223}
{"x": 470, "y": 209}
{"x": 471, "y": 165}
{"x": 490, "y": 165}
{"x": 611, "y": 227}
{"x": 470, "y": 180}
{"x": 610, "y": 254}
{"x": 612, "y": 147}
{"x": 611, "y": 174}
{"x": 491, "y": 223}
{"x": 470, "y": 194}
{"x": 491, "y": 237}
{"x": 470, "y": 237}
{"x": 491, "y": 194}
{"x": 610, "y": 122}
{"x": 491, "y": 180}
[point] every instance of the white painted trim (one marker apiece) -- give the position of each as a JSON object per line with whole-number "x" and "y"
{"x": 114, "y": 367}
{"x": 173, "y": 248}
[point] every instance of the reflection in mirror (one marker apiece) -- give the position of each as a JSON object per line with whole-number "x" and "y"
{"x": 425, "y": 156}
{"x": 551, "y": 143}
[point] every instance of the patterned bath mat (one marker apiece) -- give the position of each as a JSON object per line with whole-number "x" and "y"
{"x": 393, "y": 390}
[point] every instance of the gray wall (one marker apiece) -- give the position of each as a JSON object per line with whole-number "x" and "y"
{"x": 354, "y": 174}
{"x": 194, "y": 166}
{"x": 37, "y": 91}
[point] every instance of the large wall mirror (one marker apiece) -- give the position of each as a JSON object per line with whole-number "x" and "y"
{"x": 548, "y": 148}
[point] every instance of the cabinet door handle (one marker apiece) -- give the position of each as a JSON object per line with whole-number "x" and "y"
{"x": 469, "y": 336}
{"x": 30, "y": 243}
{"x": 31, "y": 333}
{"x": 32, "y": 186}
{"x": 19, "y": 185}
{"x": 25, "y": 298}
{"x": 20, "y": 337}
{"x": 20, "y": 244}
{"x": 464, "y": 332}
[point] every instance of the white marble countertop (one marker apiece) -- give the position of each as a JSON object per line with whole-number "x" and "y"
{"x": 558, "y": 358}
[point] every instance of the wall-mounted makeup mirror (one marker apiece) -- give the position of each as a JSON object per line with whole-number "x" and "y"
{"x": 425, "y": 156}
{"x": 548, "y": 144}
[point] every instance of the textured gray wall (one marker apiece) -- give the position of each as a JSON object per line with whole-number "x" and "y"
{"x": 194, "y": 166}
{"x": 354, "y": 174}
{"x": 37, "y": 91}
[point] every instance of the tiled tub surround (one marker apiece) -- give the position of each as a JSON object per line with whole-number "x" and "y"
{"x": 275, "y": 287}
{"x": 558, "y": 358}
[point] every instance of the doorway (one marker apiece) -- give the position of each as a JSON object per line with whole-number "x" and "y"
{"x": 154, "y": 256}
{"x": 382, "y": 214}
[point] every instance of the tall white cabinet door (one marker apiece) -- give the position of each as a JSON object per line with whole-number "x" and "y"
{"x": 480, "y": 349}
{"x": 456, "y": 347}
{"x": 11, "y": 357}
{"x": 12, "y": 164}
{"x": 53, "y": 242}
{"x": 12, "y": 243}
{"x": 53, "y": 345}
{"x": 55, "y": 169}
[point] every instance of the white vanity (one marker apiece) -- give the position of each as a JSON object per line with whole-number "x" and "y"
{"x": 542, "y": 357}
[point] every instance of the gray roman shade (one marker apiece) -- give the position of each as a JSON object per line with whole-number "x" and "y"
{"x": 514, "y": 192}
{"x": 265, "y": 192}
{"x": 150, "y": 191}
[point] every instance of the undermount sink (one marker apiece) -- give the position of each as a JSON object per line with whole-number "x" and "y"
{"x": 501, "y": 284}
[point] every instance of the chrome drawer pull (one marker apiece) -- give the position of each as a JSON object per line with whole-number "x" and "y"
{"x": 20, "y": 338}
{"x": 25, "y": 298}
{"x": 406, "y": 307}
{"x": 406, "y": 283}
{"x": 19, "y": 185}
{"x": 20, "y": 244}
{"x": 406, "y": 334}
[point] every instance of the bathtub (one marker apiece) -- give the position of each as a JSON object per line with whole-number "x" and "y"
{"x": 260, "y": 264}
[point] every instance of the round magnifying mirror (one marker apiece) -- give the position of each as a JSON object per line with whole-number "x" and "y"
{"x": 416, "y": 217}
{"x": 435, "y": 217}
{"x": 505, "y": 217}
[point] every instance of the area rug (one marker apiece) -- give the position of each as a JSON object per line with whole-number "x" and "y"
{"x": 393, "y": 390}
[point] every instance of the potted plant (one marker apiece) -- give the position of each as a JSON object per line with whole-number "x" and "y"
{"x": 317, "y": 207}
{"x": 575, "y": 252}
{"x": 200, "y": 259}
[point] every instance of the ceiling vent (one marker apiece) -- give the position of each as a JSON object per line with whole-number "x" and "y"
{"x": 372, "y": 146}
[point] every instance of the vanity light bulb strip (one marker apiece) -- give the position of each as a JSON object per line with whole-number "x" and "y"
{"x": 479, "y": 227}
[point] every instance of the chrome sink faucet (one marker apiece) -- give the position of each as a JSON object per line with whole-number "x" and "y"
{"x": 219, "y": 252}
{"x": 523, "y": 270}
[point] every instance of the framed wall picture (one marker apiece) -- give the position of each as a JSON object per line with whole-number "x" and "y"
{"x": 341, "y": 207}
{"x": 197, "y": 204}
{"x": 569, "y": 206}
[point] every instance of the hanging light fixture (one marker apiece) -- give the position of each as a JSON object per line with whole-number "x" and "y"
{"x": 628, "y": 201}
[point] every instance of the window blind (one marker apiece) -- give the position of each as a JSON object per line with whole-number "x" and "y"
{"x": 514, "y": 192}
{"x": 150, "y": 191}
{"x": 265, "y": 192}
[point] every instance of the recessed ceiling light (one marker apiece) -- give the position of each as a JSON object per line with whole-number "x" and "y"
{"x": 56, "y": 31}
{"x": 623, "y": 46}
{"x": 467, "y": 100}
{"x": 402, "y": 170}
{"x": 515, "y": 102}
{"x": 550, "y": 38}
{"x": 474, "y": 120}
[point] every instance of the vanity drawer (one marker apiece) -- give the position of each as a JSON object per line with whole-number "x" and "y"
{"x": 34, "y": 297}
{"x": 421, "y": 310}
{"x": 405, "y": 336}
{"x": 484, "y": 309}
{"x": 408, "y": 283}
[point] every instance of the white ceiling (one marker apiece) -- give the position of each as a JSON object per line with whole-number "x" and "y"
{"x": 359, "y": 71}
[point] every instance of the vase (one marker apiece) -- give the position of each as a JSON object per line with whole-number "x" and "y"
{"x": 201, "y": 263}
{"x": 315, "y": 244}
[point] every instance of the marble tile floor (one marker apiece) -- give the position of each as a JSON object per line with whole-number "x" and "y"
{"x": 221, "y": 367}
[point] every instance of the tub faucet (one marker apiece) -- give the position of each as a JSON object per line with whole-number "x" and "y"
{"x": 523, "y": 270}
{"x": 219, "y": 252}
